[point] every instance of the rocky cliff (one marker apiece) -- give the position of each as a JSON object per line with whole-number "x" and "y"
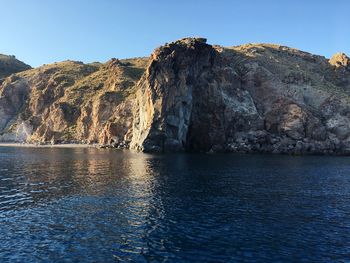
{"x": 70, "y": 102}
{"x": 188, "y": 96}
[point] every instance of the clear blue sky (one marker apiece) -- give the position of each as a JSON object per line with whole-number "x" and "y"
{"x": 45, "y": 31}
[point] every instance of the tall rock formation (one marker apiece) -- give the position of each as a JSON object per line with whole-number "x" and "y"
{"x": 190, "y": 99}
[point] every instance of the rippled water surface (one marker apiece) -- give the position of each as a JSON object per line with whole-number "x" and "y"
{"x": 90, "y": 205}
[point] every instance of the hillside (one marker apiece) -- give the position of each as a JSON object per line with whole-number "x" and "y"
{"x": 188, "y": 96}
{"x": 69, "y": 102}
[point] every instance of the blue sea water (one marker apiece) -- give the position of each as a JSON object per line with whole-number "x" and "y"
{"x": 92, "y": 205}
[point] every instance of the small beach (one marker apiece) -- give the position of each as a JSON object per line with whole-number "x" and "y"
{"x": 32, "y": 145}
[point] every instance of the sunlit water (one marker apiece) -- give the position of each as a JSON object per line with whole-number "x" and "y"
{"x": 90, "y": 205}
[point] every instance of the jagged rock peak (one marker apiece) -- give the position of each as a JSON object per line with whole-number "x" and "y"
{"x": 340, "y": 60}
{"x": 115, "y": 62}
{"x": 180, "y": 46}
{"x": 187, "y": 41}
{"x": 191, "y": 40}
{"x": 184, "y": 42}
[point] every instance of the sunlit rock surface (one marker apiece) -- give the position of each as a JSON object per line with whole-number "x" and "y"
{"x": 71, "y": 102}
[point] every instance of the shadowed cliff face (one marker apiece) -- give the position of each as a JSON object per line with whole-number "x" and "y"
{"x": 188, "y": 96}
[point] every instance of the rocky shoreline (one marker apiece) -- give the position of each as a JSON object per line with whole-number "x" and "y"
{"x": 188, "y": 96}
